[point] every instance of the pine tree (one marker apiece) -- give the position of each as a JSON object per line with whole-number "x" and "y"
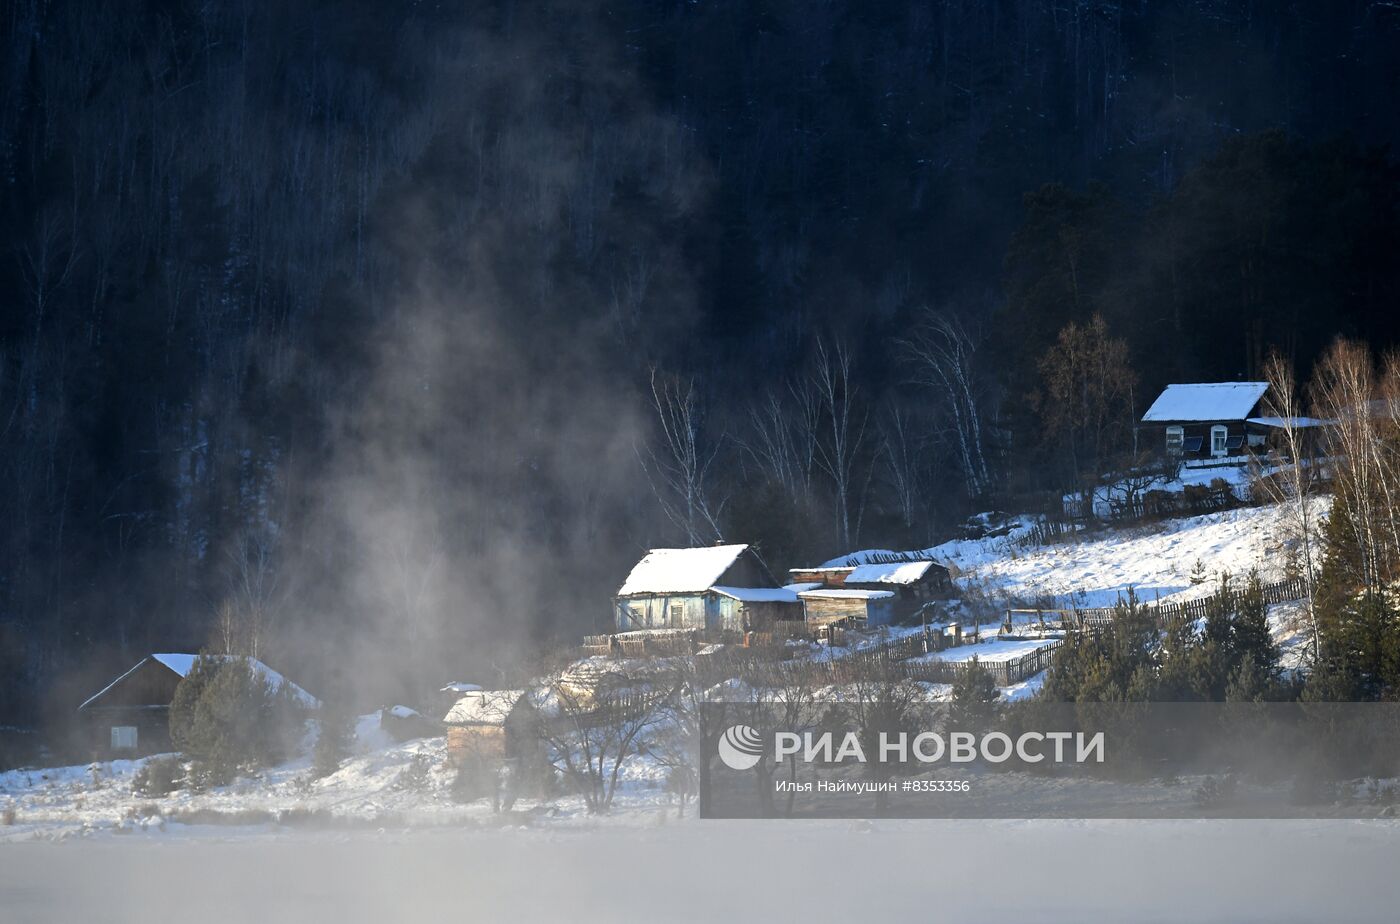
{"x": 333, "y": 740}
{"x": 225, "y": 716}
{"x": 973, "y": 693}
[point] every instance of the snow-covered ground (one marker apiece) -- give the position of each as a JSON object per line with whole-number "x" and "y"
{"x": 385, "y": 782}
{"x": 1158, "y": 561}
{"x": 992, "y": 650}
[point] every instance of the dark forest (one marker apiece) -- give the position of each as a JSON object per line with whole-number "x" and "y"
{"x": 391, "y": 333}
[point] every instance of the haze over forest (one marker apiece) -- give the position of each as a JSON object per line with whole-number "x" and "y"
{"x": 385, "y": 336}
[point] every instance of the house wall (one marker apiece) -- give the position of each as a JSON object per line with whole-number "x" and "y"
{"x": 668, "y": 611}
{"x": 139, "y": 700}
{"x": 827, "y": 577}
{"x": 150, "y": 684}
{"x": 466, "y": 743}
{"x": 822, "y": 610}
{"x": 758, "y": 616}
{"x": 152, "y": 724}
{"x": 747, "y": 571}
{"x": 1233, "y": 428}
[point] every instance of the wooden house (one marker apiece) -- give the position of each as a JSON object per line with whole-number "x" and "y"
{"x": 1209, "y": 420}
{"x": 916, "y": 582}
{"x": 130, "y": 717}
{"x": 912, "y": 578}
{"x": 490, "y": 726}
{"x": 713, "y": 588}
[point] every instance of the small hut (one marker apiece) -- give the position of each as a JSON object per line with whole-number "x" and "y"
{"x": 489, "y": 726}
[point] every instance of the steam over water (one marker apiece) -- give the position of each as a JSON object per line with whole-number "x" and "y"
{"x": 1048, "y": 871}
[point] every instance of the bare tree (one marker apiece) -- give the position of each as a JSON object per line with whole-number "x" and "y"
{"x": 900, "y": 451}
{"x": 942, "y": 353}
{"x": 844, "y": 420}
{"x": 1289, "y": 476}
{"x": 590, "y": 733}
{"x": 1344, "y": 389}
{"x": 679, "y": 471}
{"x": 244, "y": 621}
{"x": 881, "y": 699}
{"x": 1086, "y": 399}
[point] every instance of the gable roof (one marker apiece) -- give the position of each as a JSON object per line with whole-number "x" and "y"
{"x": 906, "y": 572}
{"x": 678, "y": 571}
{"x": 1206, "y": 401}
{"x": 483, "y": 707}
{"x": 842, "y": 593}
{"x": 181, "y": 664}
{"x": 759, "y": 594}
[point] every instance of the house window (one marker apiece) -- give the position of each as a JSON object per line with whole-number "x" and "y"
{"x": 677, "y": 613}
{"x": 1218, "y": 437}
{"x": 123, "y": 737}
{"x": 1176, "y": 436}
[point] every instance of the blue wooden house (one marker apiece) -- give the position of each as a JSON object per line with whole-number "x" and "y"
{"x": 714, "y": 588}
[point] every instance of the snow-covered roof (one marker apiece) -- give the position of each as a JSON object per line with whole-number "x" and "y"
{"x": 458, "y": 686}
{"x": 846, "y": 593}
{"x": 1279, "y": 423}
{"x": 758, "y": 594}
{"x": 800, "y": 586}
{"x": 1206, "y": 401}
{"x": 483, "y": 707}
{"x": 906, "y": 572}
{"x": 679, "y": 571}
{"x": 181, "y": 664}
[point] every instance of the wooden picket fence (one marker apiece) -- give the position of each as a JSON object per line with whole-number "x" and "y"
{"x": 1169, "y": 613}
{"x": 1005, "y": 673}
{"x": 888, "y": 662}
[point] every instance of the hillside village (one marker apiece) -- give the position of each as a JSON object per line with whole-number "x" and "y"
{"x": 997, "y": 601}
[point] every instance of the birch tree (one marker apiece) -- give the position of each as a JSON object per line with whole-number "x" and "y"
{"x": 941, "y": 351}
{"x": 844, "y": 422}
{"x": 1291, "y": 479}
{"x": 678, "y": 469}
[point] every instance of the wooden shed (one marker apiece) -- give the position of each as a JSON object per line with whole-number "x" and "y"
{"x": 915, "y": 582}
{"x": 859, "y": 607}
{"x": 130, "y": 717}
{"x": 489, "y": 726}
{"x": 912, "y": 578}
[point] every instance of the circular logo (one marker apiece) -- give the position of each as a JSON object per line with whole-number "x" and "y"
{"x": 740, "y": 747}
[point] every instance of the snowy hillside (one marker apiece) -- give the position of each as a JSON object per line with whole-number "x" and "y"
{"x": 1159, "y": 561}
{"x": 384, "y": 784}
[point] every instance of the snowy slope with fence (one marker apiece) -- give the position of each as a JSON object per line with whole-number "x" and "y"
{"x": 1169, "y": 560}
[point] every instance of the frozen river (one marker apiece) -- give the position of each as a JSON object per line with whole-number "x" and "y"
{"x": 719, "y": 871}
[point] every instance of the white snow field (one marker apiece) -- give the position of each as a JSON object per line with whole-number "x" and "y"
{"x": 720, "y": 871}
{"x": 1157, "y": 560}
